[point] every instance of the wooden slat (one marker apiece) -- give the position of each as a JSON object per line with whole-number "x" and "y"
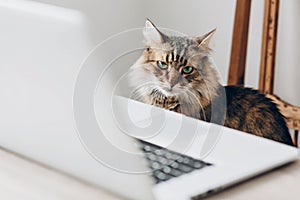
{"x": 239, "y": 43}
{"x": 290, "y": 112}
{"x": 268, "y": 52}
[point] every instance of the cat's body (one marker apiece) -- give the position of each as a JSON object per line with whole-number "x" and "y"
{"x": 176, "y": 73}
{"x": 252, "y": 112}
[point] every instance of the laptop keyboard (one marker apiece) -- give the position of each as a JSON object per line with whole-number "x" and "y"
{"x": 167, "y": 164}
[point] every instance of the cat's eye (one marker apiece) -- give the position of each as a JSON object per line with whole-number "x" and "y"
{"x": 162, "y": 65}
{"x": 187, "y": 69}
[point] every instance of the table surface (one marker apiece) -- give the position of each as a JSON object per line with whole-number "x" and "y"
{"x": 27, "y": 180}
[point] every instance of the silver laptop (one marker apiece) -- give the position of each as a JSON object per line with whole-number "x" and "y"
{"x": 65, "y": 106}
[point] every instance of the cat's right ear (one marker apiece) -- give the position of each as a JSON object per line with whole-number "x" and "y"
{"x": 152, "y": 34}
{"x": 205, "y": 39}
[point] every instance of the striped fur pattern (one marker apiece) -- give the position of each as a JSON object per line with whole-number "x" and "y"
{"x": 171, "y": 88}
{"x": 177, "y": 73}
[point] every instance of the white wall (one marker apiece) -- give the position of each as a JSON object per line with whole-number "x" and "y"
{"x": 196, "y": 17}
{"x": 288, "y": 64}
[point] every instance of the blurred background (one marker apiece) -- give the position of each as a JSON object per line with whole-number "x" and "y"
{"x": 44, "y": 44}
{"x": 196, "y": 17}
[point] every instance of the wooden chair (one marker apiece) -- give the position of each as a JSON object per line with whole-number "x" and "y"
{"x": 268, "y": 53}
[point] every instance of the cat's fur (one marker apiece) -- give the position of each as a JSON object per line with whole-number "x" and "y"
{"x": 199, "y": 94}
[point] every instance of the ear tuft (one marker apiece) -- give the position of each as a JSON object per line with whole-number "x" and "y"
{"x": 152, "y": 34}
{"x": 205, "y": 39}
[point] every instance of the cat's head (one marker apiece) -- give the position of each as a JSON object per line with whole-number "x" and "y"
{"x": 174, "y": 65}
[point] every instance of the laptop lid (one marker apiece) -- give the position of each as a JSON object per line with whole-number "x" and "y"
{"x": 42, "y": 50}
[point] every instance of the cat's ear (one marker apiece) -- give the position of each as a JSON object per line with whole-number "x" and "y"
{"x": 152, "y": 34}
{"x": 205, "y": 39}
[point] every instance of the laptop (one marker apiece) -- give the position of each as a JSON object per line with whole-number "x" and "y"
{"x": 64, "y": 104}
{"x": 181, "y": 157}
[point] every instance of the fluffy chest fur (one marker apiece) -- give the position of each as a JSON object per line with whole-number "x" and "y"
{"x": 156, "y": 98}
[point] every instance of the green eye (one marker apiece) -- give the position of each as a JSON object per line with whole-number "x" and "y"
{"x": 162, "y": 65}
{"x": 187, "y": 69}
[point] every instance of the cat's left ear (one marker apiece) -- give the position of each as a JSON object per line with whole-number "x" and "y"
{"x": 152, "y": 34}
{"x": 205, "y": 39}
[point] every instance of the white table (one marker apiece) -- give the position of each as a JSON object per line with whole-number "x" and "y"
{"x": 27, "y": 180}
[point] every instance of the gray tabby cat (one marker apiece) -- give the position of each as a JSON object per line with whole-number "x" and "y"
{"x": 176, "y": 73}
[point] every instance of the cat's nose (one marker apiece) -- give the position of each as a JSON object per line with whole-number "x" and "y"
{"x": 174, "y": 77}
{"x": 173, "y": 82}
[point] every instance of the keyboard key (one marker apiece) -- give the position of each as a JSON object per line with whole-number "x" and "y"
{"x": 185, "y": 168}
{"x": 159, "y": 152}
{"x": 166, "y": 169}
{"x": 156, "y": 166}
{"x": 147, "y": 148}
{"x": 179, "y": 159}
{"x": 186, "y": 160}
{"x": 169, "y": 155}
{"x": 175, "y": 172}
{"x": 198, "y": 165}
{"x": 161, "y": 176}
{"x": 151, "y": 156}
{"x": 162, "y": 160}
{"x": 174, "y": 165}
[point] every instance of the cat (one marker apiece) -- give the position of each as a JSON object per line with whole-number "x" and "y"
{"x": 177, "y": 73}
